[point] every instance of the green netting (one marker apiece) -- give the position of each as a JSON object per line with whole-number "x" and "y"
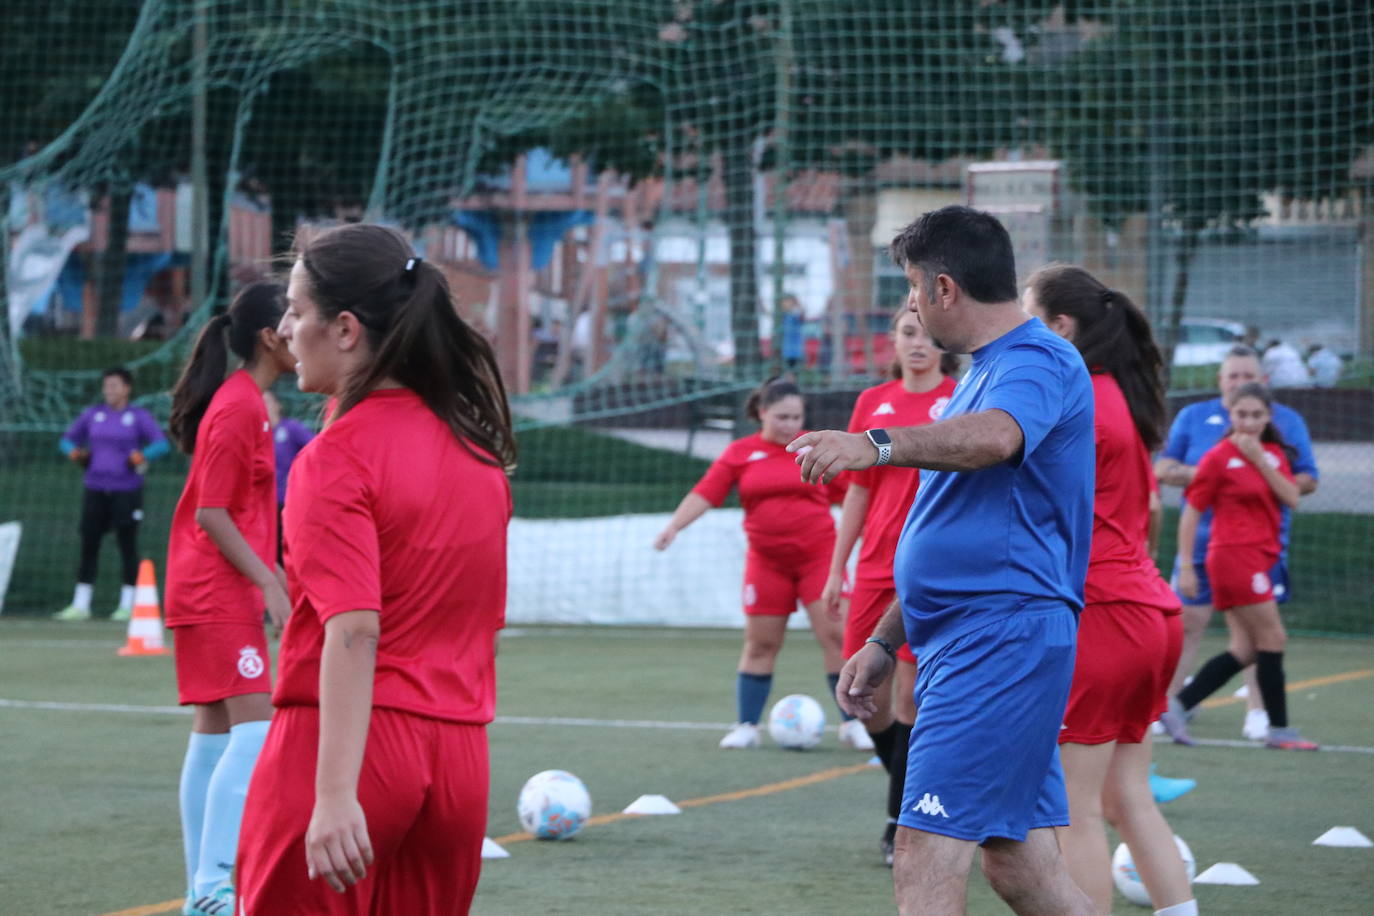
{"x": 623, "y": 194}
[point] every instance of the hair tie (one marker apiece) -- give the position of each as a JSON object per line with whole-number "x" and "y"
{"x": 1108, "y": 297}
{"x": 412, "y": 264}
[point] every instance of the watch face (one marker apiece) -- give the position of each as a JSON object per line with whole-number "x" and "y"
{"x": 879, "y": 437}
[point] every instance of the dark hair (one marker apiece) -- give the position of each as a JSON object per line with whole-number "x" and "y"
{"x": 971, "y": 246}
{"x": 1271, "y": 432}
{"x": 417, "y": 337}
{"x": 1241, "y": 351}
{"x": 120, "y": 373}
{"x": 949, "y": 362}
{"x": 1113, "y": 336}
{"x": 768, "y": 394}
{"x": 257, "y": 306}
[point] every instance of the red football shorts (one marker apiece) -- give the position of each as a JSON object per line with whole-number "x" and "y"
{"x": 423, "y": 789}
{"x": 220, "y": 660}
{"x": 1126, "y": 656}
{"x": 1240, "y": 576}
{"x": 773, "y": 586}
{"x": 867, "y": 603}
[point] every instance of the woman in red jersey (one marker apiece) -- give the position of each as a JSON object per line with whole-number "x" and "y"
{"x": 222, "y": 572}
{"x": 791, "y": 534}
{"x": 1130, "y": 632}
{"x": 1243, "y": 479}
{"x": 371, "y": 795}
{"x": 877, "y": 504}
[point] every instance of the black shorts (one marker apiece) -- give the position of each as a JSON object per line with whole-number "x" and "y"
{"x": 102, "y": 510}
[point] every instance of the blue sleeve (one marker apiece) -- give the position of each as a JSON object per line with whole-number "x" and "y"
{"x": 1294, "y": 430}
{"x": 154, "y": 442}
{"x": 1030, "y": 386}
{"x": 66, "y": 445}
{"x": 79, "y": 433}
{"x": 1177, "y": 446}
{"x": 157, "y": 448}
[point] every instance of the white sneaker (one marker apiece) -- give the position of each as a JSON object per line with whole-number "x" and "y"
{"x": 744, "y": 735}
{"x": 1256, "y": 725}
{"x": 1157, "y": 729}
{"x": 853, "y": 734}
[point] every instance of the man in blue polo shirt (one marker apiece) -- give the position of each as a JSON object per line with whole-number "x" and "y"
{"x": 989, "y": 575}
{"x": 1196, "y": 429}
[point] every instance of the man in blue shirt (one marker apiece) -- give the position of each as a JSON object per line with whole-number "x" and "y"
{"x": 1195, "y": 430}
{"x": 989, "y": 574}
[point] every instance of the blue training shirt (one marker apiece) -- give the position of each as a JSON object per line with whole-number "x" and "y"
{"x": 978, "y": 544}
{"x": 1200, "y": 426}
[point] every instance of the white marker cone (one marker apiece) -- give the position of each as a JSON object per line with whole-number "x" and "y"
{"x": 652, "y": 804}
{"x": 1226, "y": 873}
{"x": 493, "y": 850}
{"x": 1342, "y": 836}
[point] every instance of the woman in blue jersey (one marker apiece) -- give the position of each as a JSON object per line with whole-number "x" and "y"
{"x": 113, "y": 441}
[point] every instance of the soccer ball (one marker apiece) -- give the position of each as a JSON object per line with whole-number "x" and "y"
{"x": 1128, "y": 881}
{"x": 796, "y": 722}
{"x": 554, "y": 805}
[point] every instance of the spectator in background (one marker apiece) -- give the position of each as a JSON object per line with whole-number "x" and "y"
{"x": 289, "y": 436}
{"x": 793, "y": 350}
{"x": 113, "y": 442}
{"x": 1324, "y": 365}
{"x": 1284, "y": 366}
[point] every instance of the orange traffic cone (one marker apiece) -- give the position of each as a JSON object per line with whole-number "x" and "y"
{"x": 145, "y": 626}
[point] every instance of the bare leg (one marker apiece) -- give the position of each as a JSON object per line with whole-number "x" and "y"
{"x": 829, "y": 636}
{"x": 1031, "y": 876}
{"x": 930, "y": 873}
{"x": 1195, "y": 618}
{"x": 1131, "y": 809}
{"x": 1084, "y": 842}
{"x": 763, "y": 636}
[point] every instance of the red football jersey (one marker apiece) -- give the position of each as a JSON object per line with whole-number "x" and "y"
{"x": 1119, "y": 566}
{"x": 783, "y": 516}
{"x": 1244, "y": 507}
{"x": 233, "y": 468}
{"x": 387, "y": 511}
{"x": 891, "y": 490}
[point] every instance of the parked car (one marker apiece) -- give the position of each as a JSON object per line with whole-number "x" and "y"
{"x": 1206, "y": 340}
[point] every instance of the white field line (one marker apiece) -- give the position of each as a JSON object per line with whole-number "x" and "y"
{"x": 574, "y": 722}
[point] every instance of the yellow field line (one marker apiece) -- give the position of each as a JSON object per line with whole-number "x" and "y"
{"x": 169, "y": 906}
{"x": 1299, "y": 685}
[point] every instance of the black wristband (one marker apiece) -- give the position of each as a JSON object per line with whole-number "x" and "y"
{"x": 884, "y": 645}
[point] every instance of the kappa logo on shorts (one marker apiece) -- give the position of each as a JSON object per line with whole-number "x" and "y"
{"x": 930, "y": 806}
{"x": 1259, "y": 584}
{"x": 937, "y": 410}
{"x": 250, "y": 662}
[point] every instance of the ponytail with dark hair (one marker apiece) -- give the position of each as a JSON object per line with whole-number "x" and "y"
{"x": 257, "y": 306}
{"x": 1114, "y": 336}
{"x": 768, "y": 394}
{"x": 417, "y": 338}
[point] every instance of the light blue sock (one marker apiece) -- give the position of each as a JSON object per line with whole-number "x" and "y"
{"x": 219, "y": 839}
{"x": 751, "y": 695}
{"x": 202, "y": 753}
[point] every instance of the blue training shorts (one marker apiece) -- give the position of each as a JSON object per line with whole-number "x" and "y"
{"x": 984, "y": 757}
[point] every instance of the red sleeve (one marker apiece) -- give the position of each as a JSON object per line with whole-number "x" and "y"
{"x": 227, "y": 466}
{"x": 719, "y": 478}
{"x": 339, "y": 567}
{"x": 1201, "y": 492}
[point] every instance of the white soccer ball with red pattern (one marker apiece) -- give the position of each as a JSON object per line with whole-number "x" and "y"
{"x": 554, "y": 805}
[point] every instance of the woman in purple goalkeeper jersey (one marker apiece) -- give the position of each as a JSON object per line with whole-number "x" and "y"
{"x": 113, "y": 441}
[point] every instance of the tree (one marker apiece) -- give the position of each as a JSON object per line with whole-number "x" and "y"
{"x": 1192, "y": 110}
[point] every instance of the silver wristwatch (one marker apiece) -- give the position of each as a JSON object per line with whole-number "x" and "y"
{"x": 883, "y": 443}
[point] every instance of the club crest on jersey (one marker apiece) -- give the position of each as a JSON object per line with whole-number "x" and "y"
{"x": 1259, "y": 584}
{"x": 127, "y": 419}
{"x": 937, "y": 410}
{"x": 884, "y": 408}
{"x": 100, "y": 416}
{"x": 930, "y": 806}
{"x": 757, "y": 455}
{"x": 250, "y": 663}
{"x": 1271, "y": 459}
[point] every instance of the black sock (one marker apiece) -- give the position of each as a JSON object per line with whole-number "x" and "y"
{"x": 1269, "y": 671}
{"x": 882, "y": 744}
{"x": 1218, "y": 670}
{"x": 833, "y": 679}
{"x": 896, "y": 771}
